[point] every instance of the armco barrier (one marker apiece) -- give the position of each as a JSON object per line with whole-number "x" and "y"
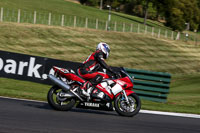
{"x": 153, "y": 86}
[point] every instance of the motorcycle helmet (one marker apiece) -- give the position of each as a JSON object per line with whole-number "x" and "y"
{"x": 105, "y": 48}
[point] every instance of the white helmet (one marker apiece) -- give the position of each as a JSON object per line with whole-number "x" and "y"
{"x": 105, "y": 48}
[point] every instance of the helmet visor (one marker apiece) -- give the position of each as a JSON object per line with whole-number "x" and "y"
{"x": 106, "y": 48}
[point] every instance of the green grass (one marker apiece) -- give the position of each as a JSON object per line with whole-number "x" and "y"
{"x": 23, "y": 89}
{"x": 130, "y": 50}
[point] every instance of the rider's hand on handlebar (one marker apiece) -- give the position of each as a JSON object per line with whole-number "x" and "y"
{"x": 117, "y": 75}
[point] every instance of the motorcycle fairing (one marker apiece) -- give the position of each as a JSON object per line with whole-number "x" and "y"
{"x": 100, "y": 87}
{"x": 69, "y": 74}
{"x": 125, "y": 82}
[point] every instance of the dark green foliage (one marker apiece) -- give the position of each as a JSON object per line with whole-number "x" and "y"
{"x": 175, "y": 20}
{"x": 176, "y": 12}
{"x": 89, "y": 2}
{"x": 82, "y": 1}
{"x": 180, "y": 12}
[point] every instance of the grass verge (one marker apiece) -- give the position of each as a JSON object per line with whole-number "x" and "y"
{"x": 129, "y": 50}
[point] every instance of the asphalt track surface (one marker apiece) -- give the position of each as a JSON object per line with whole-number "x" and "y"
{"x": 18, "y": 116}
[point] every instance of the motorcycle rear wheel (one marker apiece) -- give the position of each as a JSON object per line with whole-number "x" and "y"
{"x": 124, "y": 109}
{"x": 57, "y": 102}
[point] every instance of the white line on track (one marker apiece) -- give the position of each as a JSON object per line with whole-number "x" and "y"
{"x": 141, "y": 111}
{"x": 170, "y": 114}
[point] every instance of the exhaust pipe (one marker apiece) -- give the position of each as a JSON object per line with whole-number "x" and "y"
{"x": 59, "y": 82}
{"x": 64, "y": 86}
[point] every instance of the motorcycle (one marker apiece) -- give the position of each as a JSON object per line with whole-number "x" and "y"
{"x": 117, "y": 91}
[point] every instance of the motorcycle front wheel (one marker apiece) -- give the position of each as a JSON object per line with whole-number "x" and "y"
{"x": 127, "y": 109}
{"x": 57, "y": 102}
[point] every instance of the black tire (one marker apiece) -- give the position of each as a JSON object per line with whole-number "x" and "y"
{"x": 54, "y": 100}
{"x": 120, "y": 104}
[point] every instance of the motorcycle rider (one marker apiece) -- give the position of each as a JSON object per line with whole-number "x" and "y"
{"x": 90, "y": 68}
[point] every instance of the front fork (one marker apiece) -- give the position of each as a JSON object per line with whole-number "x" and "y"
{"x": 125, "y": 96}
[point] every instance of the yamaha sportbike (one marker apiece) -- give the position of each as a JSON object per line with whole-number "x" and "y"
{"x": 113, "y": 93}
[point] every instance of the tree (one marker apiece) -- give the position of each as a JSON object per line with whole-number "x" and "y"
{"x": 89, "y": 2}
{"x": 176, "y": 12}
{"x": 82, "y": 1}
{"x": 198, "y": 3}
{"x": 159, "y": 6}
{"x": 180, "y": 12}
{"x": 101, "y": 4}
{"x": 175, "y": 19}
{"x": 146, "y": 7}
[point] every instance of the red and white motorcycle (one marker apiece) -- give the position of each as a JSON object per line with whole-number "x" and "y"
{"x": 65, "y": 93}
